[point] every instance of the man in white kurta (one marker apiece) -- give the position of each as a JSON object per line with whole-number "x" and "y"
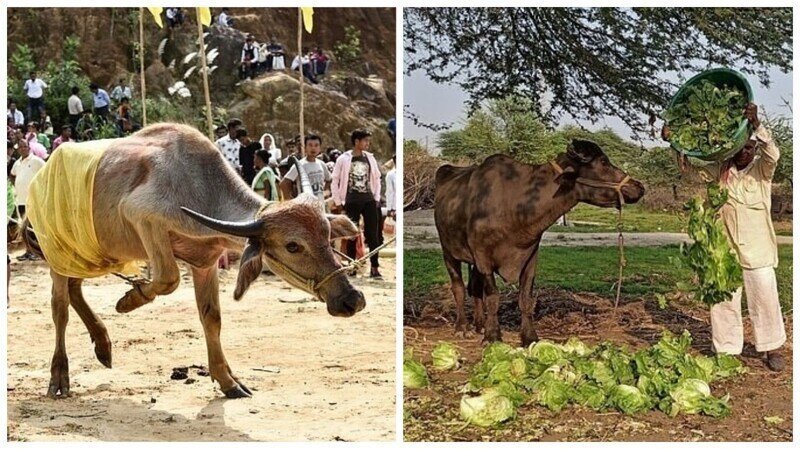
{"x": 747, "y": 218}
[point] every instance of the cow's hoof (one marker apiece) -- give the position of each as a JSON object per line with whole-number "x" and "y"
{"x": 528, "y": 337}
{"x": 491, "y": 336}
{"x": 237, "y": 392}
{"x": 132, "y": 300}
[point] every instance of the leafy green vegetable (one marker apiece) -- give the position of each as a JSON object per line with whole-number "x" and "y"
{"x": 445, "y": 356}
{"x": 628, "y": 399}
{"x": 717, "y": 271}
{"x": 707, "y": 119}
{"x": 691, "y": 396}
{"x": 552, "y": 392}
{"x": 726, "y": 365}
{"x": 665, "y": 376}
{"x": 488, "y": 409}
{"x": 590, "y": 395}
{"x": 414, "y": 373}
{"x": 545, "y": 352}
{"x": 774, "y": 420}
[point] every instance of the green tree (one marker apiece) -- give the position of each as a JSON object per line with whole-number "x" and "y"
{"x": 59, "y": 76}
{"x": 590, "y": 62}
{"x": 781, "y": 127}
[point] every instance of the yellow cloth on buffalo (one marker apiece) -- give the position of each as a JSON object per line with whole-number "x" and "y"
{"x": 61, "y": 214}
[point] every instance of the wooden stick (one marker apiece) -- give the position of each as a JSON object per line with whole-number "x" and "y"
{"x": 302, "y": 82}
{"x": 141, "y": 65}
{"x": 209, "y": 120}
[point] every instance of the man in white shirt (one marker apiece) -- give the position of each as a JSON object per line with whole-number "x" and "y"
{"x": 223, "y": 20}
{"x": 75, "y": 106}
{"x": 316, "y": 173}
{"x": 249, "y": 58}
{"x": 16, "y": 114}
{"x": 22, "y": 173}
{"x": 391, "y": 201}
{"x": 229, "y": 145}
{"x": 121, "y": 91}
{"x": 34, "y": 89}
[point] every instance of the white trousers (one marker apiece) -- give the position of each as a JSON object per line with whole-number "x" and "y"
{"x": 727, "y": 332}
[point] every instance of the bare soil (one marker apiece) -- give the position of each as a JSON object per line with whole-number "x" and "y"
{"x": 432, "y": 414}
{"x": 314, "y": 376}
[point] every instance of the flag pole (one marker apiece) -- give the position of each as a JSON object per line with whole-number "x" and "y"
{"x": 302, "y": 82}
{"x": 209, "y": 120}
{"x": 141, "y": 65}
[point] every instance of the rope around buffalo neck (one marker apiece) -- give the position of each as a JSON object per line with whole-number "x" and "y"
{"x": 617, "y": 186}
{"x": 313, "y": 287}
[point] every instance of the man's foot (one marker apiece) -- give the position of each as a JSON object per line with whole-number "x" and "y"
{"x": 775, "y": 361}
{"x": 26, "y": 256}
{"x": 375, "y": 274}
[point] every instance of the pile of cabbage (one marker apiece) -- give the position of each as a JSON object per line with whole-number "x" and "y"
{"x": 602, "y": 377}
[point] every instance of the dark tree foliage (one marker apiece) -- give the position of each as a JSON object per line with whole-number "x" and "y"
{"x": 588, "y": 63}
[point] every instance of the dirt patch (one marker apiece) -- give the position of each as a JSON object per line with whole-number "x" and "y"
{"x": 432, "y": 414}
{"x": 314, "y": 377}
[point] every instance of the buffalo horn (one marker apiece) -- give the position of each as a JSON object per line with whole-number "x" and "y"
{"x": 253, "y": 228}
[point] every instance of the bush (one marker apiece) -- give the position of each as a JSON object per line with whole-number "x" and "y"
{"x": 419, "y": 169}
{"x": 348, "y": 50}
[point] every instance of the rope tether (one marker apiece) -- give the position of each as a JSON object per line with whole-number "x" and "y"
{"x": 617, "y": 186}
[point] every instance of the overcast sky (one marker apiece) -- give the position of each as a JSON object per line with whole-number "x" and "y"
{"x": 438, "y": 103}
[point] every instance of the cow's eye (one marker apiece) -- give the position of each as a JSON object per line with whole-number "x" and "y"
{"x": 292, "y": 247}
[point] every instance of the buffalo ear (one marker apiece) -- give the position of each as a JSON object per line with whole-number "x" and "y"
{"x": 250, "y": 267}
{"x": 342, "y": 227}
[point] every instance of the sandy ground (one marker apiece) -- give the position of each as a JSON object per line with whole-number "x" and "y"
{"x": 420, "y": 233}
{"x": 314, "y": 377}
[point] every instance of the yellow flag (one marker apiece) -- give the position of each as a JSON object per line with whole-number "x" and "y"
{"x": 308, "y": 18}
{"x": 156, "y": 12}
{"x": 205, "y": 16}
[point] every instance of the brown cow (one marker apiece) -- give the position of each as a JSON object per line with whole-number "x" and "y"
{"x": 492, "y": 216}
{"x": 154, "y": 197}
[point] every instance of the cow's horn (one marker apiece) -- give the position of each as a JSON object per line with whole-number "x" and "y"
{"x": 253, "y": 228}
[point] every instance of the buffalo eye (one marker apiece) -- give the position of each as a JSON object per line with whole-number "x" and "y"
{"x": 292, "y": 247}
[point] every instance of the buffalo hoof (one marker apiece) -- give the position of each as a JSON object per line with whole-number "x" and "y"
{"x": 237, "y": 392}
{"x": 102, "y": 350}
{"x": 59, "y": 387}
{"x": 132, "y": 300}
{"x": 103, "y": 354}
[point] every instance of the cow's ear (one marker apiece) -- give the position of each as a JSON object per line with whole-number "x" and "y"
{"x": 249, "y": 269}
{"x": 342, "y": 227}
{"x": 568, "y": 175}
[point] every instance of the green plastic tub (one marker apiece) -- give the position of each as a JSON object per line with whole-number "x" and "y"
{"x": 719, "y": 77}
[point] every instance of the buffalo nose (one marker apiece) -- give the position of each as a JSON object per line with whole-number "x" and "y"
{"x": 347, "y": 305}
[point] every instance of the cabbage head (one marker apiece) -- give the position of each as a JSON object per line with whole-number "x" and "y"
{"x": 487, "y": 410}
{"x": 445, "y": 356}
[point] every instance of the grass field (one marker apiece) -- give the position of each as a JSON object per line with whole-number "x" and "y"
{"x": 648, "y": 271}
{"x": 635, "y": 219}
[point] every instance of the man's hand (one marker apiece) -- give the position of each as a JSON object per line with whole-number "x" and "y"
{"x": 337, "y": 209}
{"x": 751, "y": 114}
{"x": 666, "y": 133}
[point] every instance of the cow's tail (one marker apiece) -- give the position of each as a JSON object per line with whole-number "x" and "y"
{"x": 29, "y": 238}
{"x": 475, "y": 282}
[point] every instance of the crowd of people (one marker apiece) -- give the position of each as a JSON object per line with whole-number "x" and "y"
{"x": 348, "y": 182}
